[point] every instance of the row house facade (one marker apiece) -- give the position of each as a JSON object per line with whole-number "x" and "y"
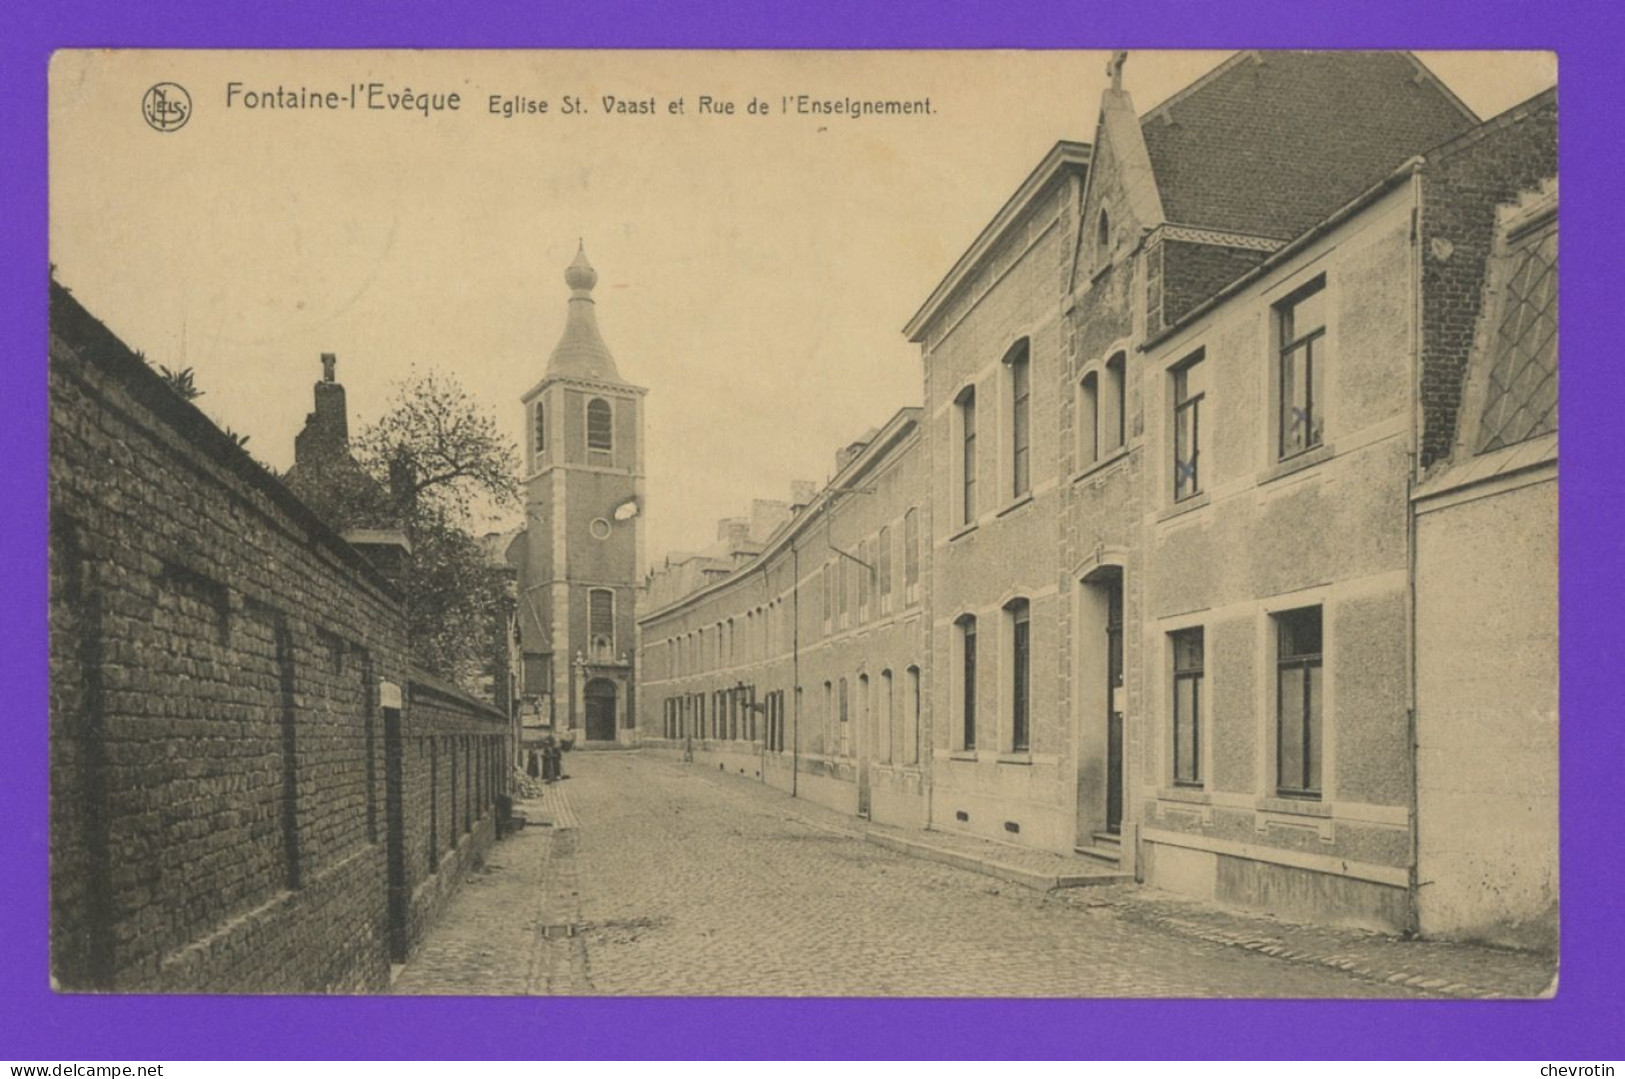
{"x": 1209, "y": 408}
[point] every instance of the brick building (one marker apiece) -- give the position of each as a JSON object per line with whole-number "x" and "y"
{"x": 252, "y": 790}
{"x": 1203, "y": 483}
{"x": 580, "y": 552}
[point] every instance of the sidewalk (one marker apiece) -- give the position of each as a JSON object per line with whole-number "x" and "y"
{"x": 1447, "y": 969}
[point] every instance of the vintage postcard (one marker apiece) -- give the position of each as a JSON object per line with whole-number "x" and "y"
{"x": 918, "y": 524}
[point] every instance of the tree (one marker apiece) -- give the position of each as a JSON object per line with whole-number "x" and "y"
{"x": 436, "y": 459}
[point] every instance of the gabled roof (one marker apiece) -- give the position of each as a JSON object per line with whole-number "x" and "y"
{"x": 1064, "y": 156}
{"x": 1271, "y": 142}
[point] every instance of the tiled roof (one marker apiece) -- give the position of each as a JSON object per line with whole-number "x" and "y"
{"x": 1270, "y": 143}
{"x": 1520, "y": 400}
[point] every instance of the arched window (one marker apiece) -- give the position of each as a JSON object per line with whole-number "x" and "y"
{"x": 1115, "y": 432}
{"x": 600, "y": 426}
{"x": 601, "y": 620}
{"x": 540, "y": 429}
{"x": 1088, "y": 420}
{"x": 966, "y": 402}
{"x": 1103, "y": 235}
{"x": 1018, "y": 614}
{"x": 967, "y": 673}
{"x": 1016, "y": 362}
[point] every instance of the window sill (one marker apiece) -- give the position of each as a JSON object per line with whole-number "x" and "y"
{"x": 963, "y": 755}
{"x": 1306, "y": 459}
{"x": 1015, "y": 758}
{"x": 1100, "y": 465}
{"x": 964, "y": 530}
{"x": 1194, "y": 502}
{"x": 1016, "y": 504}
{"x": 1191, "y": 795}
{"x": 1303, "y": 806}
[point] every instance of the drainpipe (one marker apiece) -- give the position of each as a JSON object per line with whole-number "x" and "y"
{"x": 795, "y": 666}
{"x": 1412, "y": 916}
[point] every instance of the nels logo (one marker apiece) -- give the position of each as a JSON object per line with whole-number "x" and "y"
{"x": 167, "y": 106}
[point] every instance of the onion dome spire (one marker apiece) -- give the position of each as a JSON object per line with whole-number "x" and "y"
{"x": 581, "y": 352}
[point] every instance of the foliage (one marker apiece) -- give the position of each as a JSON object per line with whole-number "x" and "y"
{"x": 436, "y": 458}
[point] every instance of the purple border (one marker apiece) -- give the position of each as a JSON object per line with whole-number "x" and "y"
{"x": 1585, "y": 1019}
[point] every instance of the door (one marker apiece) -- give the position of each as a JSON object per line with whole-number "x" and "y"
{"x": 600, "y": 706}
{"x": 1114, "y": 706}
{"x": 866, "y": 741}
{"x": 395, "y": 827}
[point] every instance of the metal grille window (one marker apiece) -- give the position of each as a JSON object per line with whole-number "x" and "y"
{"x": 601, "y": 614}
{"x": 1190, "y": 386}
{"x": 911, "y": 556}
{"x": 967, "y": 652}
{"x": 1301, "y": 324}
{"x": 1521, "y": 401}
{"x": 1020, "y": 674}
{"x": 600, "y": 425}
{"x": 1298, "y": 737}
{"x": 1187, "y": 710}
{"x": 967, "y": 462}
{"x": 1020, "y": 412}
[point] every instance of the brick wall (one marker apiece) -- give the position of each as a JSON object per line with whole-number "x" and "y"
{"x": 218, "y": 795}
{"x": 1192, "y": 272}
{"x": 1462, "y": 186}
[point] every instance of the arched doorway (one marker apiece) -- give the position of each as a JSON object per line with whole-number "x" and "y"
{"x": 599, "y": 697}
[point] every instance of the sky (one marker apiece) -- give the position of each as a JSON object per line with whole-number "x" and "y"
{"x": 755, "y": 270}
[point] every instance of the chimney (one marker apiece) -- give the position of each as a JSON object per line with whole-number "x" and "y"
{"x": 326, "y": 434}
{"x": 801, "y": 493}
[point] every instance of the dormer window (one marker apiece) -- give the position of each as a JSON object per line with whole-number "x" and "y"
{"x": 600, "y": 426}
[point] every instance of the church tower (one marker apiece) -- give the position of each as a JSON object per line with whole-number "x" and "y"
{"x": 581, "y": 553}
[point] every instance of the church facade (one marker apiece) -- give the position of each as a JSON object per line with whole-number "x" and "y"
{"x": 579, "y": 553}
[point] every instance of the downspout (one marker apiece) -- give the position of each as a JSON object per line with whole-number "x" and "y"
{"x": 795, "y": 666}
{"x": 1412, "y": 918}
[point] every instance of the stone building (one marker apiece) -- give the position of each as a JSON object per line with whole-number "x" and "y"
{"x": 804, "y": 664}
{"x": 252, "y": 788}
{"x": 580, "y": 552}
{"x": 1221, "y": 424}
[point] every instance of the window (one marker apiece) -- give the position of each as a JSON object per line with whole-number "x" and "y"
{"x": 911, "y": 737}
{"x": 888, "y": 719}
{"x": 540, "y": 429}
{"x": 824, "y": 736}
{"x": 827, "y": 588}
{"x": 1297, "y": 703}
{"x": 911, "y": 556}
{"x": 601, "y": 618}
{"x": 883, "y": 557}
{"x": 1187, "y": 709}
{"x": 863, "y": 573}
{"x": 1115, "y": 433}
{"x": 1103, "y": 236}
{"x": 967, "y": 458}
{"x": 842, "y": 573}
{"x": 967, "y": 664}
{"x": 1301, "y": 325}
{"x": 1020, "y": 416}
{"x": 600, "y": 426}
{"x": 1019, "y": 613}
{"x": 845, "y": 726}
{"x": 1088, "y": 420}
{"x": 1190, "y": 385}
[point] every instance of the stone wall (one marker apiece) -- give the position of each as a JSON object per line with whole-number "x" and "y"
{"x": 220, "y": 816}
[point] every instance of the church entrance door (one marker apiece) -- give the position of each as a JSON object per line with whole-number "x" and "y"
{"x": 599, "y": 697}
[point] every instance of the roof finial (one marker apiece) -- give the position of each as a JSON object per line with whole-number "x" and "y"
{"x": 329, "y": 361}
{"x": 580, "y": 275}
{"x": 1114, "y": 68}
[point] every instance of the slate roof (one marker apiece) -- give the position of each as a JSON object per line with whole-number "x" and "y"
{"x": 1270, "y": 143}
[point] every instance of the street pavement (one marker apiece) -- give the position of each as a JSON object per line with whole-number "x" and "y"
{"x": 665, "y": 879}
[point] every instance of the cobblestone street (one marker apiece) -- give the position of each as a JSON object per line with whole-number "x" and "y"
{"x": 664, "y": 879}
